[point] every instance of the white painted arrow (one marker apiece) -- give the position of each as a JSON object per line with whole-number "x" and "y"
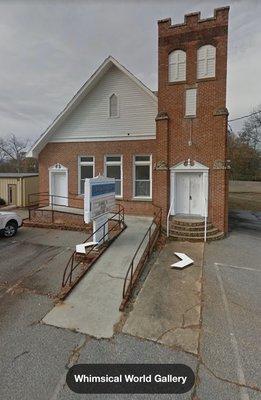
{"x": 184, "y": 262}
{"x": 81, "y": 248}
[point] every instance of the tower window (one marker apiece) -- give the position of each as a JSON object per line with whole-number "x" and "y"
{"x": 177, "y": 66}
{"x": 191, "y": 102}
{"x": 114, "y": 106}
{"x": 206, "y": 63}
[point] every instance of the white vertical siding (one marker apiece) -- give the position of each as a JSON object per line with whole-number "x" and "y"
{"x": 90, "y": 119}
{"x": 24, "y": 186}
{"x": 30, "y": 185}
{"x": 4, "y": 182}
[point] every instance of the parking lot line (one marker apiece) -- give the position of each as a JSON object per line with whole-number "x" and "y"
{"x": 235, "y": 266}
{"x": 240, "y": 372}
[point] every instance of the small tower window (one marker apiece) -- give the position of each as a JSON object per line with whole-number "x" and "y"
{"x": 191, "y": 102}
{"x": 114, "y": 106}
{"x": 177, "y": 66}
{"x": 206, "y": 62}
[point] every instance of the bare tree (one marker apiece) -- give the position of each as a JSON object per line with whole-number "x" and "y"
{"x": 251, "y": 131}
{"x": 13, "y": 150}
{"x": 245, "y": 159}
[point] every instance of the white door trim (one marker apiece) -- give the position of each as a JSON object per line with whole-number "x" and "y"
{"x": 188, "y": 166}
{"x": 58, "y": 168}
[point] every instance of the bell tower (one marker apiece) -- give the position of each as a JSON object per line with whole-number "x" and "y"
{"x": 191, "y": 157}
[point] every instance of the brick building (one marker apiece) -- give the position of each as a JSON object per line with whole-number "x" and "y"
{"x": 167, "y": 149}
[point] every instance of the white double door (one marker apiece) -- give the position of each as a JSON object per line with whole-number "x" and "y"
{"x": 189, "y": 193}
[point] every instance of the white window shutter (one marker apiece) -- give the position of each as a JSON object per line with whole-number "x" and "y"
{"x": 206, "y": 62}
{"x": 191, "y": 102}
{"x": 177, "y": 66}
{"x": 211, "y": 61}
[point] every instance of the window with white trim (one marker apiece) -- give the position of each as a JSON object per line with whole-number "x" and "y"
{"x": 142, "y": 176}
{"x": 113, "y": 169}
{"x": 177, "y": 66}
{"x": 86, "y": 170}
{"x": 206, "y": 61}
{"x": 191, "y": 102}
{"x": 113, "y": 106}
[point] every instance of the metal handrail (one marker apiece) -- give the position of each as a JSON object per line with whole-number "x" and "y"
{"x": 130, "y": 274}
{"x": 47, "y": 195}
{"x": 47, "y": 199}
{"x": 71, "y": 262}
{"x": 205, "y": 221}
{"x": 171, "y": 206}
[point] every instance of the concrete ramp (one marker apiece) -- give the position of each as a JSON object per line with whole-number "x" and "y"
{"x": 93, "y": 306}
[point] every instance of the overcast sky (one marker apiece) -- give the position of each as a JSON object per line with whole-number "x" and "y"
{"x": 48, "y": 49}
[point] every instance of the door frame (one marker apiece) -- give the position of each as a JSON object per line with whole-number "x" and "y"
{"x": 54, "y": 169}
{"x": 188, "y": 166}
{"x": 13, "y": 187}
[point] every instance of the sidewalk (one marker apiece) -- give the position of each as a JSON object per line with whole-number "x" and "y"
{"x": 93, "y": 306}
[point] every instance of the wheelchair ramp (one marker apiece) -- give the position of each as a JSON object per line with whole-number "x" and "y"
{"x": 93, "y": 306}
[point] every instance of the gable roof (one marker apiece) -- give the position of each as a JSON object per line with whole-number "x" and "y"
{"x": 17, "y": 174}
{"x": 84, "y": 90}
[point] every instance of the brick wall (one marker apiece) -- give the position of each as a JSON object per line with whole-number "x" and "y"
{"x": 209, "y": 129}
{"x": 67, "y": 155}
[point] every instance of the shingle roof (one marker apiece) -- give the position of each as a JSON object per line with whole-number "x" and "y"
{"x": 17, "y": 174}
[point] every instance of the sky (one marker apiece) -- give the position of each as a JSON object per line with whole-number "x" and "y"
{"x": 49, "y": 48}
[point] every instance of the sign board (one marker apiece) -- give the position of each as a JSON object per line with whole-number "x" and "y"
{"x": 102, "y": 234}
{"x": 99, "y": 197}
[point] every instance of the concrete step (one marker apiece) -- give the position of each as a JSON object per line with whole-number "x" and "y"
{"x": 187, "y": 221}
{"x": 188, "y": 228}
{"x": 193, "y": 233}
{"x": 216, "y": 236}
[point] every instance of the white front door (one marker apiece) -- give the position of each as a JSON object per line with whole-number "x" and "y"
{"x": 59, "y": 188}
{"x": 189, "y": 193}
{"x": 182, "y": 193}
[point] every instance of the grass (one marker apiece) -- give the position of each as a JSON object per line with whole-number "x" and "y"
{"x": 245, "y": 201}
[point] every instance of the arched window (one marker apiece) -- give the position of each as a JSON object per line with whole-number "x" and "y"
{"x": 206, "y": 61}
{"x": 177, "y": 66}
{"x": 114, "y": 106}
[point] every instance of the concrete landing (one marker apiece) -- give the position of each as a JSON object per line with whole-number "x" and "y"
{"x": 67, "y": 209}
{"x": 167, "y": 309}
{"x": 93, "y": 306}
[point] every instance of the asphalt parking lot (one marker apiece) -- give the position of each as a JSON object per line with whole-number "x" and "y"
{"x": 231, "y": 329}
{"x": 35, "y": 357}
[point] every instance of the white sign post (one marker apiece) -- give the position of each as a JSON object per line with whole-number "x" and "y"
{"x": 99, "y": 198}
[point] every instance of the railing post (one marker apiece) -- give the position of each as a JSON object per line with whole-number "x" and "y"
{"x": 122, "y": 217}
{"x": 205, "y": 225}
{"x": 52, "y": 208}
{"x": 149, "y": 241}
{"x": 131, "y": 273}
{"x": 70, "y": 279}
{"x": 171, "y": 206}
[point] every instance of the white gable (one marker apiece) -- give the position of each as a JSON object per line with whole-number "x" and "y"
{"x": 90, "y": 120}
{"x": 86, "y": 116}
